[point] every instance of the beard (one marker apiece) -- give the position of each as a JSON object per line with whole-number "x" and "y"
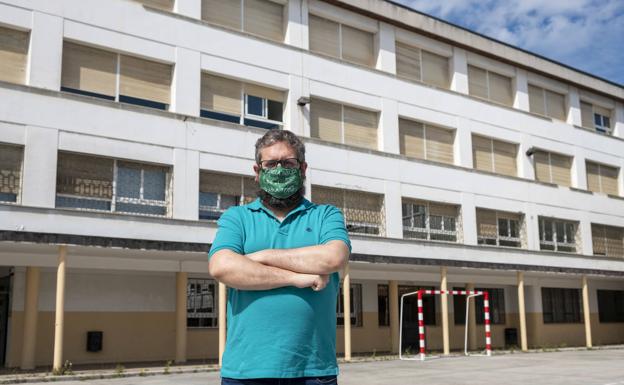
{"x": 282, "y": 203}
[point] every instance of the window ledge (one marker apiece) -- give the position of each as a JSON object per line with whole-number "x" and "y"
{"x": 597, "y": 133}
{"x": 582, "y": 191}
{"x": 615, "y": 197}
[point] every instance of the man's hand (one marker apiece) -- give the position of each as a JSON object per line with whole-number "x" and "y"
{"x": 314, "y": 281}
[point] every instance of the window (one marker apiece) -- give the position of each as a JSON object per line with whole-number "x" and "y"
{"x": 494, "y": 156}
{"x": 429, "y": 306}
{"x": 424, "y": 141}
{"x": 547, "y": 103}
{"x": 363, "y": 211}
{"x": 166, "y": 5}
{"x": 596, "y": 118}
{"x": 201, "y": 303}
{"x": 94, "y": 183}
{"x": 383, "y": 305}
{"x": 610, "y": 305}
{"x": 237, "y": 102}
{"x": 489, "y": 85}
{"x": 341, "y": 41}
{"x": 343, "y": 124}
{"x": 498, "y": 228}
{"x": 557, "y": 235}
{"x": 264, "y": 18}
{"x": 429, "y": 220}
{"x": 13, "y": 55}
{"x": 108, "y": 75}
{"x": 561, "y": 305}
{"x": 218, "y": 191}
{"x": 355, "y": 309}
{"x": 552, "y": 168}
{"x": 607, "y": 240}
{"x": 423, "y": 66}
{"x": 497, "y": 306}
{"x": 10, "y": 172}
{"x": 602, "y": 178}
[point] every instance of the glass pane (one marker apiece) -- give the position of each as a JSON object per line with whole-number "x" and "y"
{"x": 560, "y": 231}
{"x": 228, "y": 201}
{"x": 154, "y": 184}
{"x": 208, "y": 199}
{"x": 255, "y": 105}
{"x": 569, "y": 227}
{"x": 513, "y": 228}
{"x": 606, "y": 122}
{"x": 449, "y": 223}
{"x": 548, "y": 231}
{"x": 407, "y": 215}
{"x": 503, "y": 228}
{"x": 435, "y": 222}
{"x": 598, "y": 119}
{"x": 140, "y": 209}
{"x": 128, "y": 182}
{"x": 275, "y": 110}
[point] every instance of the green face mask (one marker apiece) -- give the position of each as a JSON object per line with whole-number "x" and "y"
{"x": 280, "y": 182}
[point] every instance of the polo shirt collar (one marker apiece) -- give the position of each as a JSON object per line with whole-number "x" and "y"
{"x": 257, "y": 205}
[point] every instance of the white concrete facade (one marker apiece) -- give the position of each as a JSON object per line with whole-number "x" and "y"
{"x": 44, "y": 120}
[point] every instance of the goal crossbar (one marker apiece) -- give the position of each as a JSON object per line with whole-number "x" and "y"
{"x": 421, "y": 322}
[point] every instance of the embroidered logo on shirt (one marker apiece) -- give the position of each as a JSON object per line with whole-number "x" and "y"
{"x": 309, "y": 230}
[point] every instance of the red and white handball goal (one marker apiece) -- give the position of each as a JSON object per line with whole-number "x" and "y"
{"x": 421, "y": 323}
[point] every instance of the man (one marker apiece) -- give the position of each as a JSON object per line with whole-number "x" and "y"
{"x": 280, "y": 256}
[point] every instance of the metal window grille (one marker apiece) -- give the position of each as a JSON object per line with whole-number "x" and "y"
{"x": 430, "y": 221}
{"x": 355, "y": 310}
{"x": 95, "y": 183}
{"x": 610, "y": 305}
{"x": 218, "y": 192}
{"x": 497, "y": 306}
{"x": 10, "y": 173}
{"x": 363, "y": 211}
{"x": 558, "y": 235}
{"x": 561, "y": 305}
{"x": 201, "y": 303}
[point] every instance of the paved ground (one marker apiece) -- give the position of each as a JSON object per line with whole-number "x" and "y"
{"x": 598, "y": 367}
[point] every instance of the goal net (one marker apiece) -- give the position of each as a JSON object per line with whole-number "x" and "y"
{"x": 421, "y": 323}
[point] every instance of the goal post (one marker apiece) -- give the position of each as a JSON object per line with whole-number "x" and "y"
{"x": 421, "y": 322}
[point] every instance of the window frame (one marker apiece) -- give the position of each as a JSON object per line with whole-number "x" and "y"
{"x": 568, "y": 310}
{"x": 19, "y": 169}
{"x": 218, "y": 210}
{"x": 489, "y": 88}
{"x": 213, "y": 317}
{"x": 556, "y": 245}
{"x": 427, "y": 230}
{"x": 356, "y": 316}
{"x": 482, "y": 240}
{"x": 609, "y": 302}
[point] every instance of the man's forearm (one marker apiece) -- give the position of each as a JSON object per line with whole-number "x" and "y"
{"x": 319, "y": 259}
{"x": 240, "y": 272}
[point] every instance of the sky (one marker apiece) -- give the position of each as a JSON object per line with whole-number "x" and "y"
{"x": 584, "y": 34}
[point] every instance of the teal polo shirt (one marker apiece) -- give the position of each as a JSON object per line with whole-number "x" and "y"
{"x": 285, "y": 332}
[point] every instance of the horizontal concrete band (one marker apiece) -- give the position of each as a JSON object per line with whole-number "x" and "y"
{"x": 142, "y": 244}
{"x": 382, "y": 259}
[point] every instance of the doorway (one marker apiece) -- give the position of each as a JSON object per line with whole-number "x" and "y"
{"x": 410, "y": 343}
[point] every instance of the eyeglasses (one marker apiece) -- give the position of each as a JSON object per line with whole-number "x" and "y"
{"x": 286, "y": 163}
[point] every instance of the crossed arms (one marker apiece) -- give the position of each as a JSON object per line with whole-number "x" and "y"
{"x": 302, "y": 267}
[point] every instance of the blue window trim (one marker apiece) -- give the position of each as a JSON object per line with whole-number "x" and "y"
{"x": 143, "y": 102}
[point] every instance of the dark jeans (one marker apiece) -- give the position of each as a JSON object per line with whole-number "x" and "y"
{"x": 324, "y": 380}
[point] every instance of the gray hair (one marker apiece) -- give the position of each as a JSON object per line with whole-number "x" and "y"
{"x": 277, "y": 135}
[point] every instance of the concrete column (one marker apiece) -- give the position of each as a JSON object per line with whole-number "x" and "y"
{"x": 522, "y": 312}
{"x": 393, "y": 305}
{"x": 579, "y": 175}
{"x": 186, "y": 89}
{"x": 40, "y": 156}
{"x": 389, "y": 127}
{"x": 463, "y": 144}
{"x": 386, "y": 48}
{"x": 469, "y": 219}
{"x": 459, "y": 71}
{"x": 190, "y": 8}
{"x": 472, "y": 320}
{"x": 60, "y": 308}
{"x": 586, "y": 313}
{"x": 222, "y": 320}
{"x": 445, "y": 312}
{"x": 346, "y": 295}
{"x": 185, "y": 184}
{"x": 294, "y": 114}
{"x": 181, "y": 331}
{"x": 573, "y": 103}
{"x": 585, "y": 234}
{"x": 525, "y": 163}
{"x": 618, "y": 124}
{"x": 521, "y": 99}
{"x": 297, "y": 24}
{"x": 31, "y": 300}
{"x": 393, "y": 210}
{"x": 531, "y": 223}
{"x": 46, "y": 51}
